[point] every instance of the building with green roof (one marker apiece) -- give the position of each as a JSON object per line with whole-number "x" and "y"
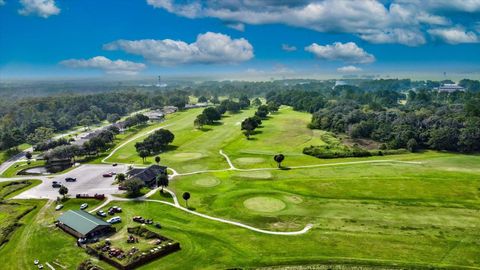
{"x": 82, "y": 224}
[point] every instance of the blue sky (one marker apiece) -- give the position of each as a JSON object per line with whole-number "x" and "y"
{"x": 135, "y": 38}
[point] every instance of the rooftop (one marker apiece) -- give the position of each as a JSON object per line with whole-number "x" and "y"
{"x": 81, "y": 221}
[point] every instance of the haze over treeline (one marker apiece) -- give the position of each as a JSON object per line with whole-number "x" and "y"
{"x": 398, "y": 113}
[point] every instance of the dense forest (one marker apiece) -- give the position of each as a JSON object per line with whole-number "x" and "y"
{"x": 414, "y": 119}
{"x": 20, "y": 119}
{"x": 398, "y": 113}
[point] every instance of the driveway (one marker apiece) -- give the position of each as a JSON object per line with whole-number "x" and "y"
{"x": 89, "y": 181}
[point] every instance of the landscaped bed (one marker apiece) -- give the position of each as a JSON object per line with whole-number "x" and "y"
{"x": 139, "y": 247}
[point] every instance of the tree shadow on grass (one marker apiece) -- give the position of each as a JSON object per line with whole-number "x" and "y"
{"x": 205, "y": 129}
{"x": 165, "y": 195}
{"x": 284, "y": 168}
{"x": 191, "y": 208}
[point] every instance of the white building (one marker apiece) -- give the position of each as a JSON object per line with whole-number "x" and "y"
{"x": 450, "y": 88}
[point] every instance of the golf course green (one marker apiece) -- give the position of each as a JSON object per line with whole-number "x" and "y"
{"x": 414, "y": 210}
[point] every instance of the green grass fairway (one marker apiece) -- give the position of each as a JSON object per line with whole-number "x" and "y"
{"x": 400, "y": 206}
{"x": 264, "y": 204}
{"x": 414, "y": 211}
{"x": 207, "y": 182}
{"x": 193, "y": 150}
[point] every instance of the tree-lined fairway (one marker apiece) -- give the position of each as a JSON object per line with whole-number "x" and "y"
{"x": 194, "y": 149}
{"x": 409, "y": 210}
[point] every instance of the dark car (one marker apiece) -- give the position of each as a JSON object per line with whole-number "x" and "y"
{"x": 107, "y": 175}
{"x": 70, "y": 179}
{"x": 114, "y": 164}
{"x": 138, "y": 219}
{"x": 56, "y": 184}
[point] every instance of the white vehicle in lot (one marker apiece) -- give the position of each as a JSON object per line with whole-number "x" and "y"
{"x": 114, "y": 220}
{"x": 83, "y": 206}
{"x": 58, "y": 207}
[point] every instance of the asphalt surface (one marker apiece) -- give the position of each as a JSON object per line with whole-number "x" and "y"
{"x": 89, "y": 181}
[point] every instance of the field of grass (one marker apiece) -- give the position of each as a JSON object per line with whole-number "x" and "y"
{"x": 6, "y": 154}
{"x": 192, "y": 149}
{"x": 416, "y": 210}
{"x": 212, "y": 245}
{"x": 13, "y": 170}
{"x": 11, "y": 188}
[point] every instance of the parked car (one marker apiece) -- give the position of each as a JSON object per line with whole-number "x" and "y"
{"x": 101, "y": 213}
{"x": 40, "y": 266}
{"x": 114, "y": 164}
{"x": 56, "y": 184}
{"x": 114, "y": 220}
{"x": 113, "y": 173}
{"x": 122, "y": 188}
{"x": 83, "y": 206}
{"x": 58, "y": 207}
{"x": 107, "y": 175}
{"x": 70, "y": 179}
{"x": 114, "y": 209}
{"x": 35, "y": 261}
{"x": 138, "y": 219}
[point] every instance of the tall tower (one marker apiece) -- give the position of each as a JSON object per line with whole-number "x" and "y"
{"x": 159, "y": 80}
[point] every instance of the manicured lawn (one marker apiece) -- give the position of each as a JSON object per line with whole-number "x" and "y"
{"x": 13, "y": 170}
{"x": 192, "y": 149}
{"x": 436, "y": 203}
{"x": 425, "y": 213}
{"x": 39, "y": 239}
{"x": 213, "y": 245}
{"x": 5, "y": 154}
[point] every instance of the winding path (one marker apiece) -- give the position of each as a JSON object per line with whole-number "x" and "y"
{"x": 176, "y": 204}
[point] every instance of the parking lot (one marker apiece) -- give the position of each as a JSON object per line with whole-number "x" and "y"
{"x": 89, "y": 181}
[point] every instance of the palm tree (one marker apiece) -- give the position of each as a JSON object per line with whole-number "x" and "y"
{"x": 279, "y": 158}
{"x": 186, "y": 196}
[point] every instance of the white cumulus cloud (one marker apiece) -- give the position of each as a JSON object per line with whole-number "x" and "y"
{"x": 42, "y": 8}
{"x": 288, "y": 48}
{"x": 109, "y": 66}
{"x": 397, "y": 21}
{"x": 454, "y": 35}
{"x": 209, "y": 48}
{"x": 349, "y": 69}
{"x": 237, "y": 26}
{"x": 446, "y": 5}
{"x": 348, "y": 52}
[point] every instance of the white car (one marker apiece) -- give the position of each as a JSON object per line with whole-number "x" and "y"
{"x": 83, "y": 206}
{"x": 114, "y": 220}
{"x": 58, "y": 207}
